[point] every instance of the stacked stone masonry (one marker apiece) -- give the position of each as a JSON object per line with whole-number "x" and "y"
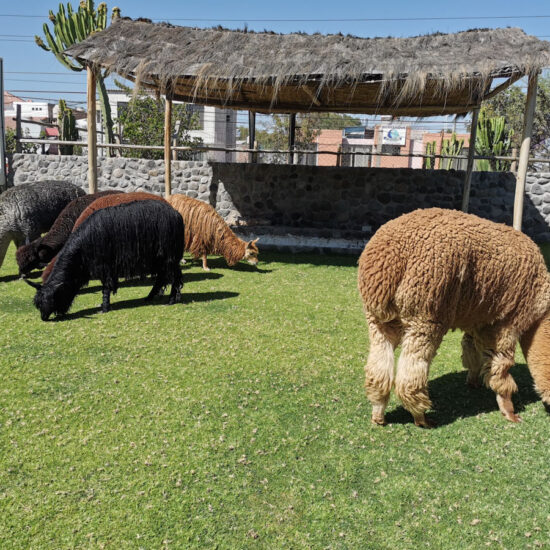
{"x": 315, "y": 201}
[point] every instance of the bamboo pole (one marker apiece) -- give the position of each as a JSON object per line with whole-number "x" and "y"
{"x": 167, "y": 144}
{"x": 470, "y": 165}
{"x": 530, "y": 104}
{"x": 92, "y": 135}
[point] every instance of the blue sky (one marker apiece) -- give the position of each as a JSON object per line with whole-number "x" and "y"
{"x": 25, "y": 63}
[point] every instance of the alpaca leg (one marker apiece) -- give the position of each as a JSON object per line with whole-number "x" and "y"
{"x": 106, "y": 304}
{"x": 418, "y": 348}
{"x": 204, "y": 264}
{"x": 158, "y": 285}
{"x": 4, "y": 245}
{"x": 177, "y": 283}
{"x": 379, "y": 370}
{"x": 472, "y": 360}
{"x": 497, "y": 377}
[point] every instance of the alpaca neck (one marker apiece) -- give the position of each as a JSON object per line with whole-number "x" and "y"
{"x": 231, "y": 247}
{"x": 535, "y": 344}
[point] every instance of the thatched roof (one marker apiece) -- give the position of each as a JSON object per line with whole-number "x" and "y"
{"x": 420, "y": 76}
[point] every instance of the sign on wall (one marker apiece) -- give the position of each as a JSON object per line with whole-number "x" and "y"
{"x": 394, "y": 136}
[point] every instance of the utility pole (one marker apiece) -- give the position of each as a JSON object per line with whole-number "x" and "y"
{"x": 2, "y": 130}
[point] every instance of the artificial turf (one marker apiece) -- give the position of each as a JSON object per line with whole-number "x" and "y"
{"x": 237, "y": 419}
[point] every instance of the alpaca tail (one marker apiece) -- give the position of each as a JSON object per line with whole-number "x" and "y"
{"x": 380, "y": 273}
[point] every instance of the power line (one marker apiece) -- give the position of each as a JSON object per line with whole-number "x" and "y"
{"x": 330, "y": 20}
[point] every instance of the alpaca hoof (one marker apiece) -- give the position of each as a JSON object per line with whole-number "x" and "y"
{"x": 206, "y": 268}
{"x": 423, "y": 422}
{"x": 378, "y": 420}
{"x": 513, "y": 417}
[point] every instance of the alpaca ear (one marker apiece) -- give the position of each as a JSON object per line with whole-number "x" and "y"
{"x": 38, "y": 286}
{"x": 255, "y": 240}
{"x": 44, "y": 252}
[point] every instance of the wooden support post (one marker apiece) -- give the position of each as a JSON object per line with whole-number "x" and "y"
{"x": 291, "y": 137}
{"x": 530, "y": 104}
{"x": 470, "y": 165}
{"x": 167, "y": 144}
{"x": 251, "y": 134}
{"x": 18, "y": 132}
{"x": 92, "y": 131}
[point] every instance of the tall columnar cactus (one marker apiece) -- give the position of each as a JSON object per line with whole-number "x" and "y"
{"x": 493, "y": 139}
{"x": 67, "y": 127}
{"x": 429, "y": 161}
{"x": 450, "y": 147}
{"x": 71, "y": 27}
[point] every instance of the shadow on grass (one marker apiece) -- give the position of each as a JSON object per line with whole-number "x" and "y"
{"x": 8, "y": 278}
{"x": 453, "y": 399}
{"x": 139, "y": 302}
{"x": 337, "y": 260}
{"x": 148, "y": 282}
{"x": 220, "y": 263}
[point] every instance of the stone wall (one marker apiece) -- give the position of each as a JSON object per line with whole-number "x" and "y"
{"x": 308, "y": 202}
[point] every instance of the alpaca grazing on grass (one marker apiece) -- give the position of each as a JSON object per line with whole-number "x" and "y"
{"x": 105, "y": 201}
{"x": 433, "y": 270}
{"x": 207, "y": 233}
{"x": 128, "y": 240}
{"x": 28, "y": 210}
{"x": 40, "y": 251}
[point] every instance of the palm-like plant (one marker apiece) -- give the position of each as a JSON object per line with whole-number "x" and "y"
{"x": 71, "y": 27}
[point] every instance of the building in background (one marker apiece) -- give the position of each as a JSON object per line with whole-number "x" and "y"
{"x": 217, "y": 127}
{"x": 357, "y": 146}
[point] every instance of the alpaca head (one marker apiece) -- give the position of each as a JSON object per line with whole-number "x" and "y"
{"x": 51, "y": 298}
{"x": 27, "y": 257}
{"x": 251, "y": 252}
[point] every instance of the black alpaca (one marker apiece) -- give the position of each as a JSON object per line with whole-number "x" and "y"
{"x": 40, "y": 251}
{"x": 130, "y": 240}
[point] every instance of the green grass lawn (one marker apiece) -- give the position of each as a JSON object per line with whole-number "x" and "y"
{"x": 237, "y": 419}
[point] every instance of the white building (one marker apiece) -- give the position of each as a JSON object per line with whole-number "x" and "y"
{"x": 217, "y": 127}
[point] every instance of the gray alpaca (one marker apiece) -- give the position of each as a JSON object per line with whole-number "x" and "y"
{"x": 28, "y": 210}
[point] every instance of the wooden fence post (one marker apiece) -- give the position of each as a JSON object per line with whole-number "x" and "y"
{"x": 92, "y": 130}
{"x": 530, "y": 104}
{"x": 167, "y": 143}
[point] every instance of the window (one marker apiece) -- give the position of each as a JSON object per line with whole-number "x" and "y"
{"x": 352, "y": 160}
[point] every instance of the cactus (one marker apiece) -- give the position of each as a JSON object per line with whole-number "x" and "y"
{"x": 493, "y": 139}
{"x": 67, "y": 127}
{"x": 450, "y": 147}
{"x": 429, "y": 162}
{"x": 71, "y": 27}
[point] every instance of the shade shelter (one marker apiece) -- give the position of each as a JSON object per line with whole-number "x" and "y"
{"x": 437, "y": 74}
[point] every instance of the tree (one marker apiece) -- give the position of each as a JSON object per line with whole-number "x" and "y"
{"x": 71, "y": 27}
{"x": 308, "y": 127}
{"x": 511, "y": 105}
{"x": 11, "y": 141}
{"x": 142, "y": 123}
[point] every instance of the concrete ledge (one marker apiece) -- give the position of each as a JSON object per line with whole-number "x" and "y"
{"x": 287, "y": 239}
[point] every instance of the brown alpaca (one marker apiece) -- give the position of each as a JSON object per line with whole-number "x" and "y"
{"x": 207, "y": 233}
{"x": 98, "y": 204}
{"x": 433, "y": 270}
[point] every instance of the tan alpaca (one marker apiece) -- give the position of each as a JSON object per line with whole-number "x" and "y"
{"x": 433, "y": 270}
{"x": 207, "y": 233}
